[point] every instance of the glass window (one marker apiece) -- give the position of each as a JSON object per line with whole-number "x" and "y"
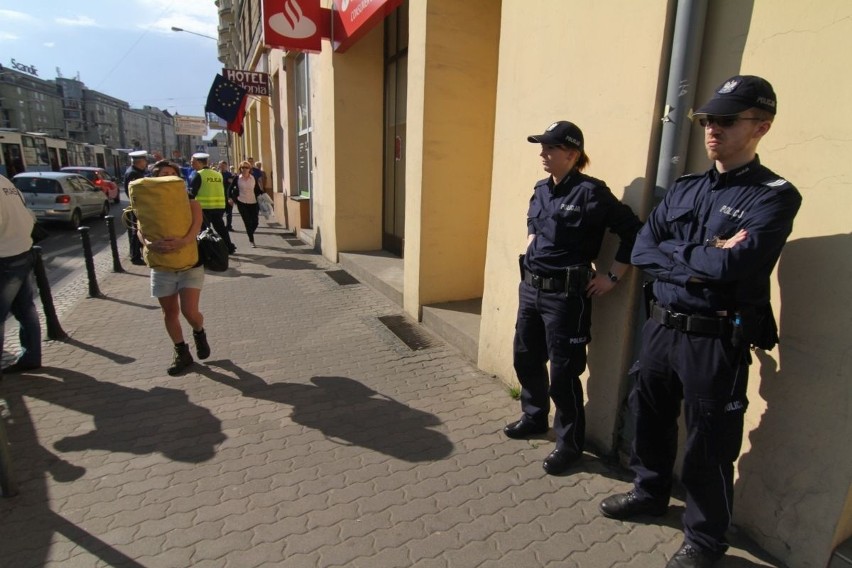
{"x": 304, "y": 128}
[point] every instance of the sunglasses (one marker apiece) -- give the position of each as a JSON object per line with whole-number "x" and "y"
{"x": 722, "y": 121}
{"x": 245, "y": 168}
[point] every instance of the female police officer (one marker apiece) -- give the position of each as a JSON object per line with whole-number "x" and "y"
{"x": 567, "y": 216}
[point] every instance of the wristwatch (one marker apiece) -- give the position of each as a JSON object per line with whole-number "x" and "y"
{"x": 612, "y": 277}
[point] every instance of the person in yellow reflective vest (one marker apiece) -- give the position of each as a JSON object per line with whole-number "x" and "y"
{"x": 208, "y": 189}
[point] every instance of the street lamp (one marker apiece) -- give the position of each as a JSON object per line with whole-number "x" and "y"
{"x": 176, "y": 29}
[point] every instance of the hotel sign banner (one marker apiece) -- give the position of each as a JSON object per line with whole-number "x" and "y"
{"x": 293, "y": 24}
{"x": 354, "y": 18}
{"x": 253, "y": 82}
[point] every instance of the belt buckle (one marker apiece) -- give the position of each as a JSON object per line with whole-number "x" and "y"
{"x": 677, "y": 321}
{"x": 536, "y": 280}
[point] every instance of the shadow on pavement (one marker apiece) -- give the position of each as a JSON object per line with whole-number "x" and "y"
{"x": 135, "y": 421}
{"x": 345, "y": 411}
{"x": 128, "y": 303}
{"x": 27, "y": 523}
{"x": 112, "y": 356}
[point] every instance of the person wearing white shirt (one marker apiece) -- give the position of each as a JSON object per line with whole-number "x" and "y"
{"x": 17, "y": 291}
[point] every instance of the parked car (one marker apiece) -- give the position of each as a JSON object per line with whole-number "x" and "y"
{"x": 100, "y": 178}
{"x": 61, "y": 196}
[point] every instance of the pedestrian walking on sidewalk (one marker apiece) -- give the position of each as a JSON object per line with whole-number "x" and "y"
{"x": 227, "y": 178}
{"x": 711, "y": 245}
{"x": 179, "y": 292}
{"x": 567, "y": 217}
{"x": 17, "y": 291}
{"x": 244, "y": 190}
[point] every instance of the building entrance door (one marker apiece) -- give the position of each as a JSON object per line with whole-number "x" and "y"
{"x": 396, "y": 91}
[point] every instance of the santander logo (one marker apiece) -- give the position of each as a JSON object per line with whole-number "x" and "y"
{"x": 292, "y": 22}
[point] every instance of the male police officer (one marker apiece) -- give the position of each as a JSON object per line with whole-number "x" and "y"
{"x": 209, "y": 190}
{"x": 137, "y": 170}
{"x": 568, "y": 215}
{"x": 712, "y": 245}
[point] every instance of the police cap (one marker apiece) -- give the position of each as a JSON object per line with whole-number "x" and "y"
{"x": 138, "y": 155}
{"x": 739, "y": 93}
{"x": 201, "y": 156}
{"x": 561, "y": 133}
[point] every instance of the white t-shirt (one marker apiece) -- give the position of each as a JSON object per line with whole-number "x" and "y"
{"x": 16, "y": 221}
{"x": 246, "y": 187}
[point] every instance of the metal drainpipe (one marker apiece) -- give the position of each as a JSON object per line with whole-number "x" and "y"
{"x": 680, "y": 93}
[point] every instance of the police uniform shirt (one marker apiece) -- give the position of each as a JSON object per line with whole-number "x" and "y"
{"x": 569, "y": 220}
{"x": 681, "y": 240}
{"x": 132, "y": 174}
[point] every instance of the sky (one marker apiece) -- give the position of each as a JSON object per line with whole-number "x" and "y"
{"x": 122, "y": 48}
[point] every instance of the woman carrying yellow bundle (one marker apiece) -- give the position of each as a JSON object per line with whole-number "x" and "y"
{"x": 177, "y": 290}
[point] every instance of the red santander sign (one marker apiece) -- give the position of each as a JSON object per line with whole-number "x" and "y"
{"x": 354, "y": 18}
{"x": 293, "y": 24}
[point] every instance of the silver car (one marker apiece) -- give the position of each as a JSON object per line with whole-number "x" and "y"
{"x": 61, "y": 196}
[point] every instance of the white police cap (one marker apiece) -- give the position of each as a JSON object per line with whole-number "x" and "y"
{"x": 138, "y": 154}
{"x": 200, "y": 156}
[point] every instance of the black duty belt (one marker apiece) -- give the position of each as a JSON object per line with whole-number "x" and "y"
{"x": 705, "y": 325}
{"x": 548, "y": 284}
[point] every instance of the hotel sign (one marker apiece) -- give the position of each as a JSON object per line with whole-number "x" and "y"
{"x": 253, "y": 82}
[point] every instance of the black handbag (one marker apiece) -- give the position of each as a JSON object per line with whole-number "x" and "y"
{"x": 212, "y": 251}
{"x": 39, "y": 233}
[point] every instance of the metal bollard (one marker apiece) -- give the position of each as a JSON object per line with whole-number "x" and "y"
{"x": 116, "y": 263}
{"x": 94, "y": 291}
{"x": 54, "y": 330}
{"x": 8, "y": 488}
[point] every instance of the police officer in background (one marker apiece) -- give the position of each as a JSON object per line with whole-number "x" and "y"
{"x": 711, "y": 245}
{"x": 568, "y": 215}
{"x": 138, "y": 169}
{"x": 227, "y": 176}
{"x": 209, "y": 190}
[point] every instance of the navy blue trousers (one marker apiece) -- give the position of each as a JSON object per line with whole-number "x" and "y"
{"x": 710, "y": 376}
{"x": 555, "y": 328}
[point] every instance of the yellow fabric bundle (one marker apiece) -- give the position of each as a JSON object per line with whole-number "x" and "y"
{"x": 162, "y": 210}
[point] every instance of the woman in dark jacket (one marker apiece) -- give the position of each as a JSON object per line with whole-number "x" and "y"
{"x": 244, "y": 190}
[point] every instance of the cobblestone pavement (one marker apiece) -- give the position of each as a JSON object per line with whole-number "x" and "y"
{"x": 312, "y": 436}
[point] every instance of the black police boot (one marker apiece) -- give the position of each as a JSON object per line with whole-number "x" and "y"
{"x": 626, "y": 505}
{"x": 560, "y": 460}
{"x": 524, "y": 429}
{"x": 182, "y": 359}
{"x": 691, "y": 557}
{"x": 202, "y": 348}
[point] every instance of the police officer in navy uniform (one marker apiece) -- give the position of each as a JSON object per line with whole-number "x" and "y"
{"x": 711, "y": 244}
{"x": 138, "y": 169}
{"x": 568, "y": 215}
{"x": 208, "y": 189}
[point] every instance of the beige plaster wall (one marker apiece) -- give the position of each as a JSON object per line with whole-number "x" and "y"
{"x": 452, "y": 84}
{"x": 359, "y": 95}
{"x": 558, "y": 62}
{"x": 796, "y": 466}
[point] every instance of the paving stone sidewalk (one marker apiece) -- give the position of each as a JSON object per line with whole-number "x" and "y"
{"x": 312, "y": 436}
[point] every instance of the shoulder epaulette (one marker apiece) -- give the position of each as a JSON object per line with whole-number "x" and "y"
{"x": 689, "y": 176}
{"x": 776, "y": 182}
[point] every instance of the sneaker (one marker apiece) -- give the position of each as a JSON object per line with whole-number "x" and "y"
{"x": 19, "y": 367}
{"x": 182, "y": 360}
{"x": 202, "y": 348}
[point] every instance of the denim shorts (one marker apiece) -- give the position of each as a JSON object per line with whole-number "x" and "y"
{"x": 165, "y": 283}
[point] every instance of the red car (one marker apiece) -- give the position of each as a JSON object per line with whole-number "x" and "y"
{"x": 100, "y": 178}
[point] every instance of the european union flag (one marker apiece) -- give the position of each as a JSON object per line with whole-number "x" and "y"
{"x": 225, "y": 99}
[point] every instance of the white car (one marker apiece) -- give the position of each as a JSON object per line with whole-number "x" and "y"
{"x": 61, "y": 196}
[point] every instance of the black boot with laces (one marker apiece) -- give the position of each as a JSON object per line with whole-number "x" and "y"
{"x": 202, "y": 348}
{"x": 182, "y": 359}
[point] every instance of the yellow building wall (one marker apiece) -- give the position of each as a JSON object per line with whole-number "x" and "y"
{"x": 451, "y": 96}
{"x": 558, "y": 61}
